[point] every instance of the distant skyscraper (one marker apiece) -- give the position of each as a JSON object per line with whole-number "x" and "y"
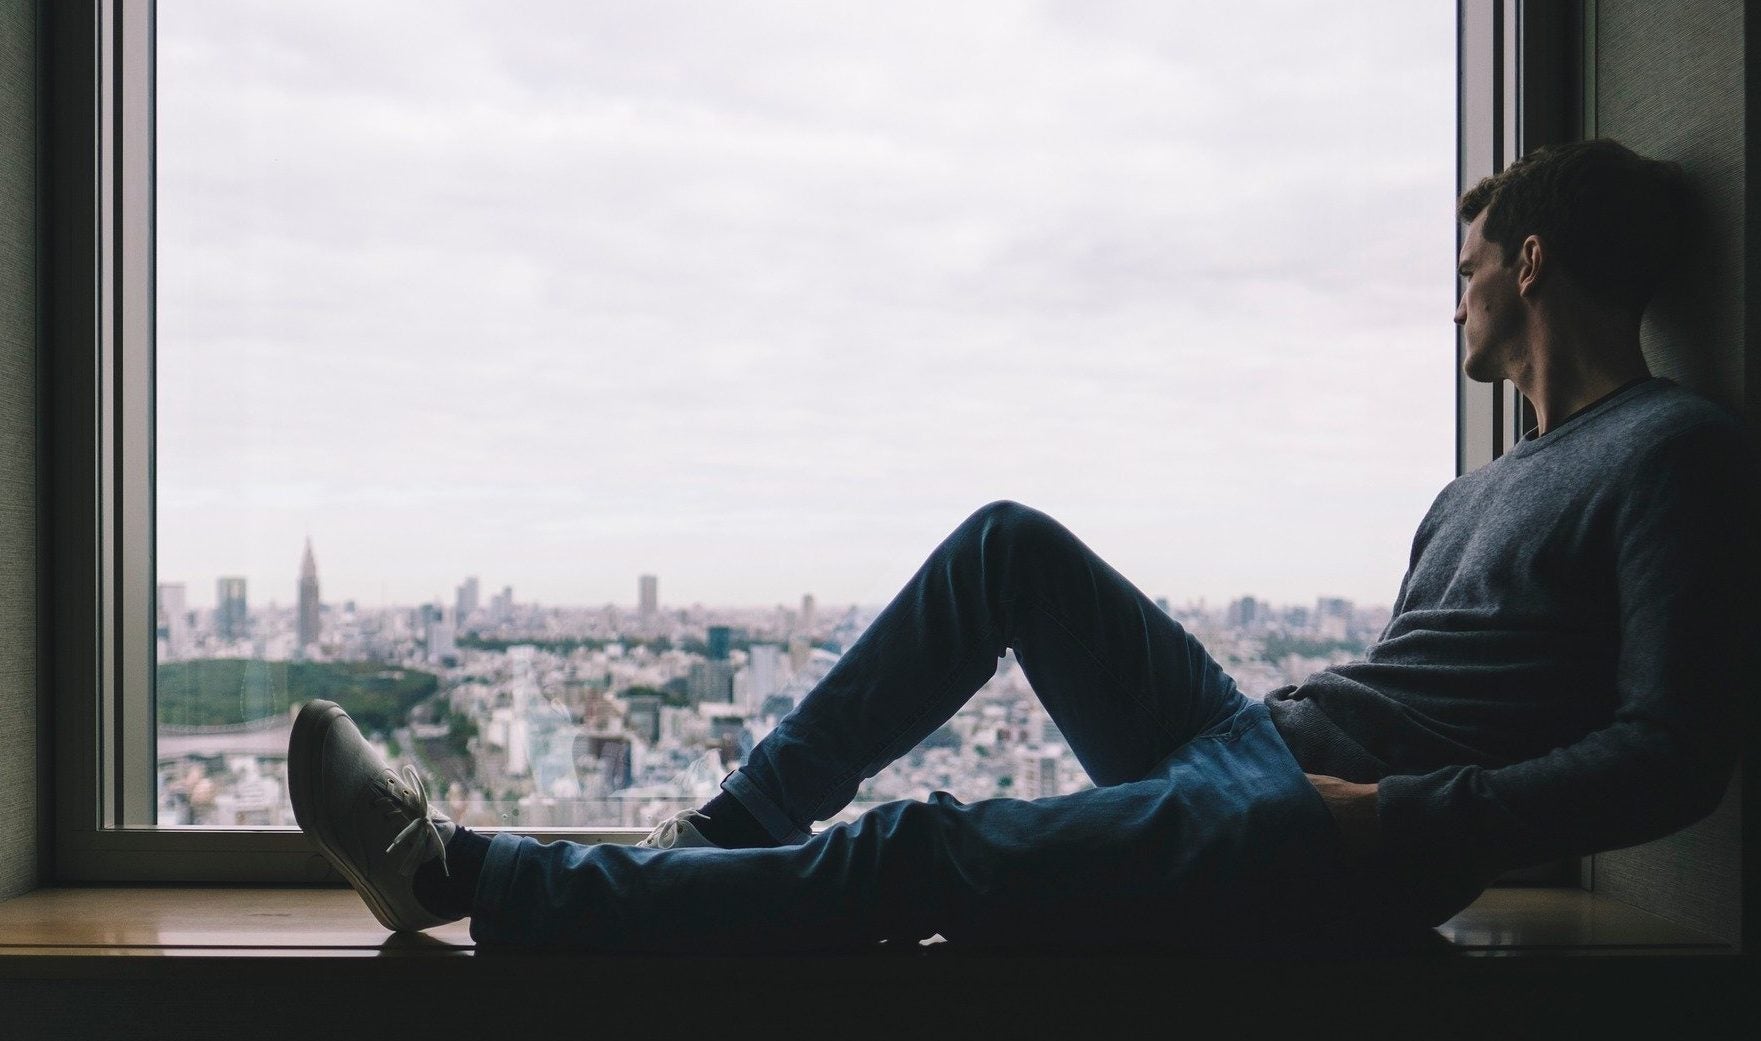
{"x": 231, "y": 613}
{"x": 612, "y": 753}
{"x": 501, "y": 605}
{"x": 711, "y": 681}
{"x": 441, "y": 646}
{"x": 309, "y": 621}
{"x": 648, "y": 596}
{"x": 465, "y": 604}
{"x": 174, "y": 621}
{"x": 1243, "y": 613}
{"x": 720, "y": 640}
{"x": 763, "y": 668}
{"x": 1332, "y": 617}
{"x": 643, "y": 716}
{"x": 807, "y": 612}
{"x": 1036, "y": 773}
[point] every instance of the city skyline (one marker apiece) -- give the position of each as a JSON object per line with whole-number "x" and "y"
{"x": 645, "y": 605}
{"x": 585, "y": 717}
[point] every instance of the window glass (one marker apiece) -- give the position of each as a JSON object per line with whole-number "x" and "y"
{"x": 563, "y": 386}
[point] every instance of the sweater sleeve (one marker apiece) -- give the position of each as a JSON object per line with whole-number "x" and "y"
{"x": 1687, "y": 585}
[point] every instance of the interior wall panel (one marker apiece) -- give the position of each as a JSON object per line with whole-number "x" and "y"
{"x": 19, "y": 864}
{"x": 1669, "y": 82}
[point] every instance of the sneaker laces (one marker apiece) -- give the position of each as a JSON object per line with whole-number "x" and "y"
{"x": 420, "y": 840}
{"x": 666, "y": 833}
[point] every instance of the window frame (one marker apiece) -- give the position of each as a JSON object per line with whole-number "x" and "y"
{"x": 1519, "y": 69}
{"x": 1525, "y": 77}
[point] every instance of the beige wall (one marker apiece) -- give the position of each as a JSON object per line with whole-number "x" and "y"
{"x": 1670, "y": 81}
{"x": 18, "y": 558}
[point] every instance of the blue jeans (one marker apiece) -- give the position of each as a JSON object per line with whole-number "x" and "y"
{"x": 1202, "y": 828}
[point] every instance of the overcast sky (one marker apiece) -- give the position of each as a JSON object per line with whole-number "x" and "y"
{"x": 764, "y": 298}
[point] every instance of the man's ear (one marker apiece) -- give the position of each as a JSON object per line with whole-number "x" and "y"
{"x": 1531, "y": 264}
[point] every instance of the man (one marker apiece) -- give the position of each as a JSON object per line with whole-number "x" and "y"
{"x": 1558, "y": 677}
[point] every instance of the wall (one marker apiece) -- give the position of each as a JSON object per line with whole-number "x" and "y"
{"x": 19, "y": 865}
{"x": 1670, "y": 83}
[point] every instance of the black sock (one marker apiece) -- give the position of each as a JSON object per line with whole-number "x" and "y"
{"x": 448, "y": 892}
{"x": 731, "y": 825}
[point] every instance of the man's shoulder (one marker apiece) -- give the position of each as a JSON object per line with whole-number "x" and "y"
{"x": 1684, "y": 427}
{"x": 1665, "y": 420}
{"x": 1674, "y": 409}
{"x": 1664, "y": 428}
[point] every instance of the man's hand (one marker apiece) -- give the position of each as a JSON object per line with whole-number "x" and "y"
{"x": 1354, "y": 810}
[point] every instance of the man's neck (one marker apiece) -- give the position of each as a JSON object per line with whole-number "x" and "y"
{"x": 1571, "y": 370}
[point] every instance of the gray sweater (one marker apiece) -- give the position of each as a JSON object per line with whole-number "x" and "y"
{"x": 1562, "y": 670}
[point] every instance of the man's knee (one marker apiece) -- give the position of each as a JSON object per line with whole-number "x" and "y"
{"x": 1009, "y": 523}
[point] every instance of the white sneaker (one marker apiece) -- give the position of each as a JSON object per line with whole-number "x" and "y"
{"x": 372, "y": 823}
{"x": 677, "y": 832}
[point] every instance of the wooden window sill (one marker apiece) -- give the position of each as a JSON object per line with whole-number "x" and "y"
{"x": 307, "y": 922}
{"x": 265, "y": 962}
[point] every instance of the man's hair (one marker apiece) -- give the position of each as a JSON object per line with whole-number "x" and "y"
{"x": 1616, "y": 221}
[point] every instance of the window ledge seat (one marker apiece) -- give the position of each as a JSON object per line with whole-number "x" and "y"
{"x": 305, "y": 922}
{"x": 103, "y": 958}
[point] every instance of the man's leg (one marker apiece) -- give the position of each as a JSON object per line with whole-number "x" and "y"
{"x": 1226, "y": 844}
{"x": 1125, "y": 683}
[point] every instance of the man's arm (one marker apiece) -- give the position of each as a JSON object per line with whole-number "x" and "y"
{"x": 1353, "y": 807}
{"x": 1687, "y": 588}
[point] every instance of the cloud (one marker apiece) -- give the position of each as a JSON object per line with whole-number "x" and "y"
{"x": 719, "y": 271}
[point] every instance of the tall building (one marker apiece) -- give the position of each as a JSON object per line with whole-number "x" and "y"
{"x": 807, "y": 614}
{"x": 1243, "y": 613}
{"x": 720, "y": 642}
{"x": 1036, "y": 773}
{"x": 648, "y": 597}
{"x": 174, "y": 622}
{"x": 612, "y": 754}
{"x": 439, "y": 637}
{"x": 309, "y": 620}
{"x": 711, "y": 681}
{"x": 642, "y": 716}
{"x": 763, "y": 673}
{"x": 1332, "y": 617}
{"x": 231, "y": 613}
{"x": 466, "y": 601}
{"x": 501, "y": 605}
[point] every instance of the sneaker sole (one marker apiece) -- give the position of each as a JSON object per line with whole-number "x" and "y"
{"x": 308, "y": 739}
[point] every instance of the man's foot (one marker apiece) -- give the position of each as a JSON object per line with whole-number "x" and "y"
{"x": 372, "y": 823}
{"x": 678, "y": 832}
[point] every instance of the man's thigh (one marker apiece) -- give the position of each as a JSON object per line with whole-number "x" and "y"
{"x": 1226, "y": 841}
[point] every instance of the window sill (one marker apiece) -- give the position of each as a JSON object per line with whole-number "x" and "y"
{"x": 302, "y": 961}
{"x": 111, "y": 922}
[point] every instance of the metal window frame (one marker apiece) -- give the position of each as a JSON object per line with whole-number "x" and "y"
{"x": 1512, "y": 60}
{"x": 1525, "y": 77}
{"x": 98, "y": 363}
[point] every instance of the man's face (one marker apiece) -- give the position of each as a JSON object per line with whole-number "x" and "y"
{"x": 1490, "y": 312}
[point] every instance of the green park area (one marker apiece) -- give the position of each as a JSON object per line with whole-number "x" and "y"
{"x": 229, "y": 691}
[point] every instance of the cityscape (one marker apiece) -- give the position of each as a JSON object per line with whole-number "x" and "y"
{"x": 534, "y": 716}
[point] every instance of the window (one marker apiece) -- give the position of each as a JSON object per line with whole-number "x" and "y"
{"x": 851, "y": 260}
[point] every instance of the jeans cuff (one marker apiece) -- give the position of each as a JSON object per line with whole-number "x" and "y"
{"x": 499, "y": 862}
{"x": 766, "y": 812}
